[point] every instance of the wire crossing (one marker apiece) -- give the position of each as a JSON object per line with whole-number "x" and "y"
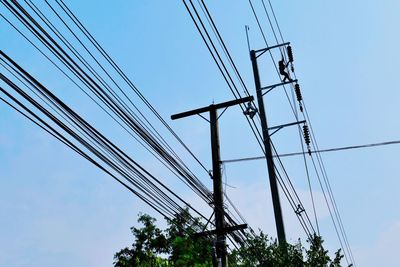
{"x": 344, "y": 148}
{"x": 317, "y": 164}
{"x": 65, "y": 42}
{"x": 98, "y": 82}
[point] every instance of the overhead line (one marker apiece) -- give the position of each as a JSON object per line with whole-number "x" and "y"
{"x": 152, "y": 130}
{"x": 57, "y": 121}
{"x": 314, "y": 141}
{"x": 97, "y": 90}
{"x": 219, "y": 63}
{"x": 317, "y": 151}
{"x": 112, "y": 104}
{"x": 125, "y": 77}
{"x": 91, "y": 97}
{"x": 62, "y": 139}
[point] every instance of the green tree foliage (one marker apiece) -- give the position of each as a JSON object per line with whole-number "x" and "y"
{"x": 177, "y": 247}
{"x": 183, "y": 248}
{"x": 260, "y": 250}
{"x": 174, "y": 246}
{"x": 149, "y": 243}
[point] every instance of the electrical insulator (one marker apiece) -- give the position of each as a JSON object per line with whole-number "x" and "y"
{"x": 290, "y": 53}
{"x": 298, "y": 92}
{"x": 307, "y": 138}
{"x": 306, "y": 135}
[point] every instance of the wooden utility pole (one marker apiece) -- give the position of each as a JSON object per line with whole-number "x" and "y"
{"x": 218, "y": 195}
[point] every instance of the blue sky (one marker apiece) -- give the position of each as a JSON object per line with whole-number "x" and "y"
{"x": 58, "y": 210}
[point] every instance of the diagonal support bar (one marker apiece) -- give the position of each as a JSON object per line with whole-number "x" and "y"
{"x": 263, "y": 50}
{"x": 270, "y": 87}
{"x": 286, "y": 125}
{"x": 225, "y": 230}
{"x": 279, "y": 127}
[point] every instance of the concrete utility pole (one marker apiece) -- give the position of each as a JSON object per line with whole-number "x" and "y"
{"x": 268, "y": 152}
{"x": 218, "y": 195}
{"x": 218, "y": 190}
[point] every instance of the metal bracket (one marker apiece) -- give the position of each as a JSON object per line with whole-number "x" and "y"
{"x": 269, "y": 48}
{"x": 271, "y": 87}
{"x": 209, "y": 220}
{"x": 223, "y": 231}
{"x": 285, "y": 125}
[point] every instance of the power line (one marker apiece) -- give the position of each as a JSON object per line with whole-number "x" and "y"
{"x": 317, "y": 151}
{"x": 208, "y": 41}
{"x": 199, "y": 24}
{"x": 292, "y": 194}
{"x": 36, "y": 120}
{"x": 84, "y": 76}
{"x": 109, "y": 59}
{"x": 111, "y": 103}
{"x": 153, "y": 198}
{"x": 109, "y": 100}
{"x": 347, "y": 249}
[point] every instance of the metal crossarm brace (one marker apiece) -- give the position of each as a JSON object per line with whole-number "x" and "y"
{"x": 222, "y": 231}
{"x": 271, "y": 87}
{"x": 269, "y": 48}
{"x": 284, "y": 125}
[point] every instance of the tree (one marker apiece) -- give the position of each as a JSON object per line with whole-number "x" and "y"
{"x": 259, "y": 250}
{"x": 184, "y": 249}
{"x": 176, "y": 246}
{"x": 149, "y": 243}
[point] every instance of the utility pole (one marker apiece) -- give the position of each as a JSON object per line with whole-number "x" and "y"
{"x": 268, "y": 153}
{"x": 218, "y": 190}
{"x": 218, "y": 195}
